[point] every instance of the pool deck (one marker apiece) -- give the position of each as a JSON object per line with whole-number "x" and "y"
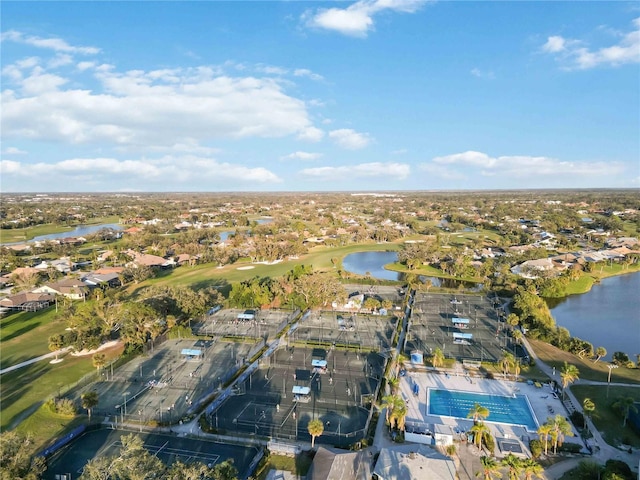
{"x": 541, "y": 401}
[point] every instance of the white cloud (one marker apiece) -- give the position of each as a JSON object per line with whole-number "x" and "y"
{"x": 15, "y": 71}
{"x": 350, "y": 139}
{"x": 55, "y": 44}
{"x": 519, "y": 166}
{"x": 163, "y": 107}
{"x": 398, "y": 171}
{"x": 9, "y": 167}
{"x": 302, "y": 156}
{"x": 60, "y": 60}
{"x": 40, "y": 83}
{"x": 82, "y": 66}
{"x": 554, "y": 44}
{"x": 574, "y": 55}
{"x": 476, "y": 72}
{"x": 172, "y": 172}
{"x": 357, "y": 19}
{"x": 304, "y": 72}
{"x": 441, "y": 171}
{"x": 311, "y": 134}
{"x": 271, "y": 70}
{"x": 13, "y": 151}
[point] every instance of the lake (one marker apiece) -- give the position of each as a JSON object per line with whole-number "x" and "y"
{"x": 372, "y": 263}
{"x": 79, "y": 231}
{"x": 607, "y": 316}
{"x": 363, "y": 263}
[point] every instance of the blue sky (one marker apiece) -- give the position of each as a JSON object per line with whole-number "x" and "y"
{"x": 369, "y": 95}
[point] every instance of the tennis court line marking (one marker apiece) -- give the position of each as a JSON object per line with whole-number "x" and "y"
{"x": 165, "y": 450}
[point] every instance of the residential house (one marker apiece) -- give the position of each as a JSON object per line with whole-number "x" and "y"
{"x": 146, "y": 259}
{"x": 94, "y": 279}
{"x": 334, "y": 464}
{"x": 409, "y": 462}
{"x": 72, "y": 288}
{"x": 28, "y": 301}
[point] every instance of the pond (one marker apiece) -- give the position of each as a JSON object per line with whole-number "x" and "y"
{"x": 372, "y": 263}
{"x": 79, "y": 231}
{"x": 607, "y": 316}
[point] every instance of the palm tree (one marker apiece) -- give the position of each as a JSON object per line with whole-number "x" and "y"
{"x": 490, "y": 468}
{"x": 99, "y": 360}
{"x": 531, "y": 468}
{"x": 438, "y": 358}
{"x": 479, "y": 430}
{"x": 393, "y": 385}
{"x": 478, "y": 413}
{"x": 399, "y": 413}
{"x": 514, "y": 464}
{"x": 388, "y": 402}
{"x": 625, "y": 405}
{"x": 544, "y": 431}
{"x": 517, "y": 369}
{"x": 569, "y": 374}
{"x": 600, "y": 352}
{"x": 517, "y": 336}
{"x": 315, "y": 429}
{"x": 560, "y": 429}
{"x": 506, "y": 361}
{"x": 588, "y": 407}
{"x": 89, "y": 400}
{"x": 56, "y": 342}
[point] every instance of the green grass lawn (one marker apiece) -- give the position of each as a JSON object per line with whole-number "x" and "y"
{"x": 43, "y": 426}
{"x": 24, "y": 390}
{"x": 25, "y": 335}
{"x": 588, "y": 280}
{"x": 588, "y": 370}
{"x": 298, "y": 465}
{"x": 430, "y": 271}
{"x": 24, "y": 234}
{"x": 607, "y": 420}
{"x": 210, "y": 275}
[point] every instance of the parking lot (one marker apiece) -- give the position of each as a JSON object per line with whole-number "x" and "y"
{"x": 340, "y": 395}
{"x": 463, "y": 326}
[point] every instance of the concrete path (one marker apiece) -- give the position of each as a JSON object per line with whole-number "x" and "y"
{"x": 602, "y": 450}
{"x": 33, "y": 360}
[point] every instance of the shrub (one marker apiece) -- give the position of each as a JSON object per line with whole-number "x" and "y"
{"x": 62, "y": 406}
{"x": 588, "y": 470}
{"x": 535, "y": 446}
{"x": 617, "y": 467}
{"x": 489, "y": 442}
{"x": 570, "y": 448}
{"x": 577, "y": 418}
{"x": 451, "y": 450}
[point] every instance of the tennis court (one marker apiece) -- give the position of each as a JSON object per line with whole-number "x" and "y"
{"x": 296, "y": 385}
{"x": 167, "y": 384}
{"x": 168, "y": 448}
{"x": 249, "y": 324}
{"x": 468, "y": 327}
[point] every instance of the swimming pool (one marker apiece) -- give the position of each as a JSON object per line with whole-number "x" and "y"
{"x": 502, "y": 409}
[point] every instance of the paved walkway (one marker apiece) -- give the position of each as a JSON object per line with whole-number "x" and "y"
{"x": 602, "y": 450}
{"x": 33, "y": 360}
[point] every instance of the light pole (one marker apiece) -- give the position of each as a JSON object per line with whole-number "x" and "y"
{"x": 611, "y": 366}
{"x": 125, "y": 402}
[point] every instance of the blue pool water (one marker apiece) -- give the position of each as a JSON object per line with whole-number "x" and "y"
{"x": 502, "y": 409}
